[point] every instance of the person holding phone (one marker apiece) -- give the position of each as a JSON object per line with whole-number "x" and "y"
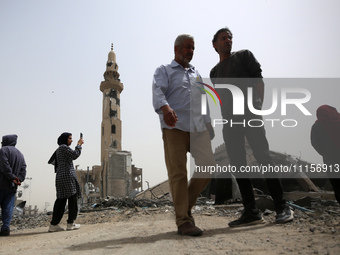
{"x": 67, "y": 185}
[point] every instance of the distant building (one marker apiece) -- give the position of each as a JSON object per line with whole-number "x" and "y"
{"x": 116, "y": 176}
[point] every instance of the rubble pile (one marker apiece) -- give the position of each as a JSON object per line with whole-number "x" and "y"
{"x": 118, "y": 203}
{"x": 314, "y": 216}
{"x": 24, "y": 222}
{"x": 323, "y": 219}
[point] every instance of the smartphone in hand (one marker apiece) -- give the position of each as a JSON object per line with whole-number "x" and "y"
{"x": 81, "y": 141}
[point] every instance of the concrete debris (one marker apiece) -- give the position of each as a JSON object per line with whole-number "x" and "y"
{"x": 324, "y": 219}
{"x": 305, "y": 202}
{"x": 118, "y": 203}
{"x": 264, "y": 203}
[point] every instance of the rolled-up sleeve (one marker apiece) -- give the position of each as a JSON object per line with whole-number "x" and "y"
{"x": 159, "y": 87}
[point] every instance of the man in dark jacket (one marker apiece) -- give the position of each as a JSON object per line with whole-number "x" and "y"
{"x": 12, "y": 173}
{"x": 242, "y": 70}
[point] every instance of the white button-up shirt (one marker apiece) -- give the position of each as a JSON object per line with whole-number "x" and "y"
{"x": 180, "y": 88}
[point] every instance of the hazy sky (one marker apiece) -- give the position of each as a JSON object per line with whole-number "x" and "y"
{"x": 53, "y": 56}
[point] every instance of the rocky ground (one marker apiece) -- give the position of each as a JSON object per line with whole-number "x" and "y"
{"x": 126, "y": 227}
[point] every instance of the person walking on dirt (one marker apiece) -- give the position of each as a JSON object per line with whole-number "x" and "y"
{"x": 175, "y": 88}
{"x": 242, "y": 70}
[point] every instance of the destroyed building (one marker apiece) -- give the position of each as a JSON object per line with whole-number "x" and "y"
{"x": 293, "y": 185}
{"x": 292, "y": 181}
{"x": 116, "y": 176}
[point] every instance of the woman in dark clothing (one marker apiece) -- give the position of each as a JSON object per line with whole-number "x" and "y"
{"x": 67, "y": 185}
{"x": 325, "y": 138}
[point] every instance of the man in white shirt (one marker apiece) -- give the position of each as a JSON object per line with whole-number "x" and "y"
{"x": 184, "y": 128}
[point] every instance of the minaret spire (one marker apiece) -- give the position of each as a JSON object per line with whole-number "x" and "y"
{"x": 111, "y": 72}
{"x": 111, "y": 123}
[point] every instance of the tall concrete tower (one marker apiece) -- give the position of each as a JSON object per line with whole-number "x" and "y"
{"x": 116, "y": 176}
{"x": 111, "y": 124}
{"x": 114, "y": 165}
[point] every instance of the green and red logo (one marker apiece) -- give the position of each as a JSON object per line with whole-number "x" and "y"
{"x": 209, "y": 93}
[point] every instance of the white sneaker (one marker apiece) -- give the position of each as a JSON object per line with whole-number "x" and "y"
{"x": 286, "y": 215}
{"x": 72, "y": 226}
{"x": 55, "y": 228}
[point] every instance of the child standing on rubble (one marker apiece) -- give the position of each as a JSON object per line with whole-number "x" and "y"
{"x": 67, "y": 185}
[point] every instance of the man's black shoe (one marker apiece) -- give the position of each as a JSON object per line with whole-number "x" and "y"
{"x": 248, "y": 219}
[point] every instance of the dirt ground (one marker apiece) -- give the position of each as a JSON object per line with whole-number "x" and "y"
{"x": 153, "y": 231}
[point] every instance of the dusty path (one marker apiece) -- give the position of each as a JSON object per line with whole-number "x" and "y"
{"x": 156, "y": 234}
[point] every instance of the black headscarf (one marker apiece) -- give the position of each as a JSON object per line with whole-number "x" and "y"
{"x": 62, "y": 139}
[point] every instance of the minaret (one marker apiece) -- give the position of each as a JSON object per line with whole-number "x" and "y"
{"x": 116, "y": 176}
{"x": 111, "y": 129}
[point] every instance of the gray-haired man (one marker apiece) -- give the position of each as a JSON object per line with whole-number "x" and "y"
{"x": 184, "y": 130}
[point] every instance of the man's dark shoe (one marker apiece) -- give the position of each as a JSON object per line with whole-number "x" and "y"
{"x": 188, "y": 229}
{"x": 284, "y": 216}
{"x": 5, "y": 233}
{"x": 248, "y": 219}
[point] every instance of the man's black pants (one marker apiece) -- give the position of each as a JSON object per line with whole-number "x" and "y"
{"x": 234, "y": 138}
